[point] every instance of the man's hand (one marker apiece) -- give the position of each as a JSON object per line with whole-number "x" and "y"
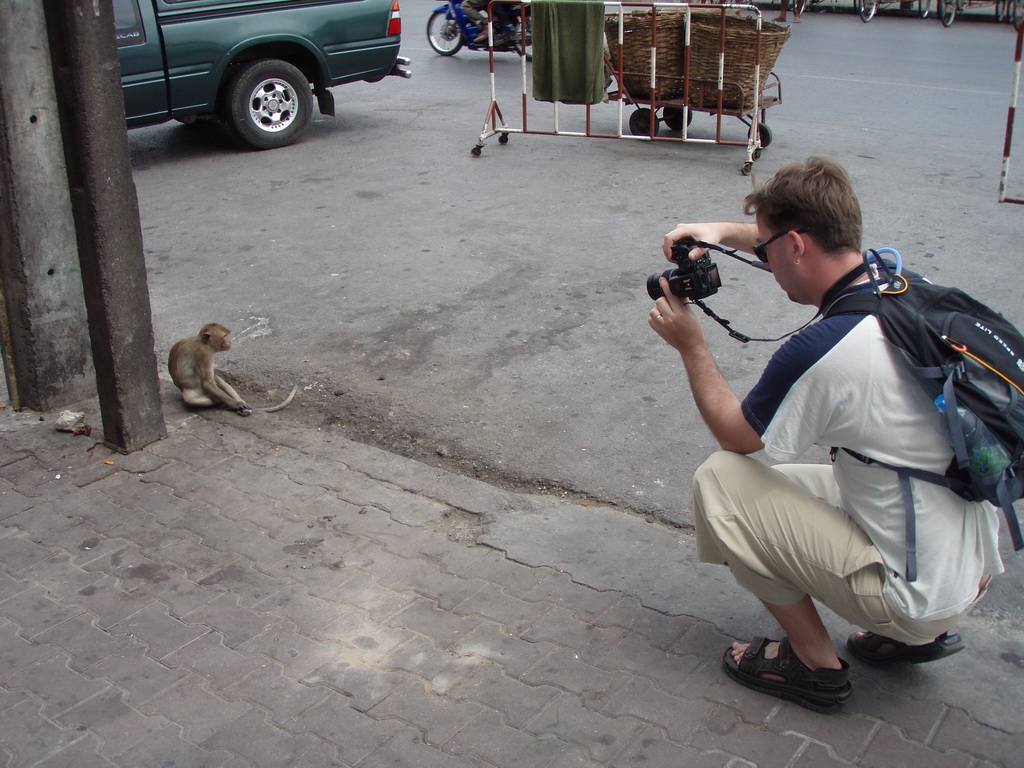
{"x": 740, "y": 235}
{"x": 674, "y": 320}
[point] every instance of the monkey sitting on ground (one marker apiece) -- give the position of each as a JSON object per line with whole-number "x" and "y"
{"x": 193, "y": 372}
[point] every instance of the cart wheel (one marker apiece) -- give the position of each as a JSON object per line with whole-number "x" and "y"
{"x": 766, "y": 134}
{"x": 640, "y": 122}
{"x": 747, "y": 168}
{"x": 475, "y": 151}
{"x": 923, "y": 8}
{"x": 867, "y": 9}
{"x": 503, "y": 139}
{"x": 673, "y": 118}
{"x": 948, "y": 12}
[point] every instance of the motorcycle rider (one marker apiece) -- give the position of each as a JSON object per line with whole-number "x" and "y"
{"x": 473, "y": 10}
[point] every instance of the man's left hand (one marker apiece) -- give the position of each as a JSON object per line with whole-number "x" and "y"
{"x": 673, "y": 318}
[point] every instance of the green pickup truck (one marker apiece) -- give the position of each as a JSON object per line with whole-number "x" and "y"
{"x": 255, "y": 64}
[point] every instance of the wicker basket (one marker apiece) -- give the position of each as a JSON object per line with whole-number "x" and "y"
{"x": 739, "y": 86}
{"x": 638, "y": 29}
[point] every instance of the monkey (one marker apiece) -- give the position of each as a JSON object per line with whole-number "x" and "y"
{"x": 193, "y": 372}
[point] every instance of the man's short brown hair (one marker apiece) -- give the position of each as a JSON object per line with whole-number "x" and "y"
{"x": 816, "y": 196}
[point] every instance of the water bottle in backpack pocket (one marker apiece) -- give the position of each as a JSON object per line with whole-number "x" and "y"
{"x": 978, "y": 451}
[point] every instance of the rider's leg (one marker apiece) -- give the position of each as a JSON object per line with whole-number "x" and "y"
{"x": 471, "y": 9}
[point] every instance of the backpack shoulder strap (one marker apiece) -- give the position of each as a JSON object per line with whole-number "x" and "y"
{"x": 906, "y": 493}
{"x": 866, "y": 303}
{"x": 870, "y": 303}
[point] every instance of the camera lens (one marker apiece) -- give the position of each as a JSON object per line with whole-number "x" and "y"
{"x": 654, "y": 287}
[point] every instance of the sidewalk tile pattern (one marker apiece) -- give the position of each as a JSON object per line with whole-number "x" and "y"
{"x": 224, "y": 600}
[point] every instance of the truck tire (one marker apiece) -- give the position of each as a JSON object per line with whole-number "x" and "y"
{"x": 268, "y": 103}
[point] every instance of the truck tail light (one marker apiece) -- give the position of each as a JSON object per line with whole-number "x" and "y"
{"x": 395, "y": 24}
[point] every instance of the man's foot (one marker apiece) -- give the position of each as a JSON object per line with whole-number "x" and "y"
{"x": 880, "y": 650}
{"x": 781, "y": 18}
{"x": 782, "y": 674}
{"x": 796, "y": 19}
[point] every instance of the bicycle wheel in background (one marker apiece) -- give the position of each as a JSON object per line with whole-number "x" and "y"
{"x": 947, "y": 10}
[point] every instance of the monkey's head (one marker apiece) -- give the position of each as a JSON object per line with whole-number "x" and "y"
{"x": 216, "y": 335}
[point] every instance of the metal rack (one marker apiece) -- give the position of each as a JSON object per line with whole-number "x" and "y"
{"x": 669, "y": 97}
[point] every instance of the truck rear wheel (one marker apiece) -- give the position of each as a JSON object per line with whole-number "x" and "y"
{"x": 268, "y": 103}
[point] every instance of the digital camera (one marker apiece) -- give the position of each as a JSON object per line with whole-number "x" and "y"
{"x": 696, "y": 279}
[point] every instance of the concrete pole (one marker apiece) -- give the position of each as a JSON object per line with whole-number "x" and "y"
{"x": 106, "y": 211}
{"x": 43, "y": 330}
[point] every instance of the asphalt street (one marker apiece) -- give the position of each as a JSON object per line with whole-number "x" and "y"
{"x": 489, "y": 313}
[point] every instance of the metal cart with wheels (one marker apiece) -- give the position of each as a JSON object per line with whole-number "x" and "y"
{"x": 668, "y": 60}
{"x": 677, "y": 116}
{"x": 717, "y": 71}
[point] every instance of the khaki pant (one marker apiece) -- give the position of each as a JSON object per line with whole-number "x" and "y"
{"x": 781, "y": 532}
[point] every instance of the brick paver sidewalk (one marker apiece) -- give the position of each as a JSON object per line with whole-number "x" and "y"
{"x": 228, "y": 598}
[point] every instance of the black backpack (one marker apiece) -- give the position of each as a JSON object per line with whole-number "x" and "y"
{"x": 968, "y": 359}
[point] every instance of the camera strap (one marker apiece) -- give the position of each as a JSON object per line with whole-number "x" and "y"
{"x": 742, "y": 336}
{"x": 830, "y": 296}
{"x": 723, "y": 322}
{"x": 842, "y": 284}
{"x": 734, "y": 253}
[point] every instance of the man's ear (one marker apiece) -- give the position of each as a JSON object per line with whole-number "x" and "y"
{"x": 796, "y": 243}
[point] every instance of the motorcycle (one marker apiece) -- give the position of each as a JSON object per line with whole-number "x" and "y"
{"x": 449, "y": 29}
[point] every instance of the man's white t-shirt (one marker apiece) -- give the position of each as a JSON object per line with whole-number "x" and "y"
{"x": 840, "y": 383}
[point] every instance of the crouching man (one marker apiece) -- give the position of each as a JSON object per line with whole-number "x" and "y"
{"x": 793, "y": 533}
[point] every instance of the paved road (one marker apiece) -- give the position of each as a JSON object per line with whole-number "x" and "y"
{"x": 489, "y": 313}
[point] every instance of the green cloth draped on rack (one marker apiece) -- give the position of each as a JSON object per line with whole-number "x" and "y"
{"x": 568, "y": 51}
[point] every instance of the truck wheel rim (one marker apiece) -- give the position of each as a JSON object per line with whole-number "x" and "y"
{"x": 273, "y": 105}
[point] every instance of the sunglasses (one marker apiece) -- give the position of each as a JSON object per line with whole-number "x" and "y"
{"x": 761, "y": 249}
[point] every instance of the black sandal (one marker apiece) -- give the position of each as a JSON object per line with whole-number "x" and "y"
{"x": 867, "y": 648}
{"x": 823, "y": 690}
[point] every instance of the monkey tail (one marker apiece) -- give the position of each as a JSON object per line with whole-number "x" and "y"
{"x": 282, "y": 404}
